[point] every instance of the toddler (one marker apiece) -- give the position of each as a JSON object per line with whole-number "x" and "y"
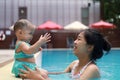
{"x": 24, "y": 52}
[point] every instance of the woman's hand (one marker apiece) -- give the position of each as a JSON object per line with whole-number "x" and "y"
{"x": 36, "y": 74}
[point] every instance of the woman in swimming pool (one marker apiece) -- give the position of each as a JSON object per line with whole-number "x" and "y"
{"x": 88, "y": 47}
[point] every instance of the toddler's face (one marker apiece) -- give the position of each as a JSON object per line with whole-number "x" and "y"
{"x": 28, "y": 33}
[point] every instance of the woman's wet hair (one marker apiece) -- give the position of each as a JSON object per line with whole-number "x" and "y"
{"x": 95, "y": 38}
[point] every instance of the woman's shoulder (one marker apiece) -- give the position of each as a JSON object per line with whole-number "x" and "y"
{"x": 69, "y": 68}
{"x": 93, "y": 67}
{"x": 92, "y": 71}
{"x": 74, "y": 62}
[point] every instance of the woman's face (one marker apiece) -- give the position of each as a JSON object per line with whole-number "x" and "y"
{"x": 80, "y": 45}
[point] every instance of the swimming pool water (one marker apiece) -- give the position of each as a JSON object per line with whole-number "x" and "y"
{"x": 58, "y": 60}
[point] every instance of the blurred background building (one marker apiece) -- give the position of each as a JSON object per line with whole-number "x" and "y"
{"x": 62, "y": 12}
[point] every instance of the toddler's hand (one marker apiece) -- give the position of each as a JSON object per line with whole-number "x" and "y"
{"x": 40, "y": 49}
{"x": 44, "y": 39}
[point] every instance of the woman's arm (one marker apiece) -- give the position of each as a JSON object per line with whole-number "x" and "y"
{"x": 57, "y": 72}
{"x": 62, "y": 72}
{"x": 67, "y": 70}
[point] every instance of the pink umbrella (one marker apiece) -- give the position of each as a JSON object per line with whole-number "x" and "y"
{"x": 102, "y": 24}
{"x": 49, "y": 25}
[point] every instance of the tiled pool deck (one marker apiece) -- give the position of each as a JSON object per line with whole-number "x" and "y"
{"x": 6, "y": 56}
{"x": 6, "y": 62}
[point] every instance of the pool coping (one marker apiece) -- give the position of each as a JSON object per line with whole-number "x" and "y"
{"x": 115, "y": 48}
{"x": 6, "y": 62}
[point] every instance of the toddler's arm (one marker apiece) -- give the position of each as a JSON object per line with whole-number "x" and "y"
{"x": 36, "y": 46}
